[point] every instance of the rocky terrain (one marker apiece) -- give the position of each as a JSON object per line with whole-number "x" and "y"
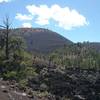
{"x": 72, "y": 84}
{"x": 9, "y": 91}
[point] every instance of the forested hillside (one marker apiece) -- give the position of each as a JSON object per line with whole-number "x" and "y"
{"x": 81, "y": 55}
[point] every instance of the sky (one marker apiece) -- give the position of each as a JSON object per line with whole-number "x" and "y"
{"x": 77, "y": 20}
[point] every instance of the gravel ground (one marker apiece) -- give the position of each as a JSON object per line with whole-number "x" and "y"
{"x": 7, "y": 94}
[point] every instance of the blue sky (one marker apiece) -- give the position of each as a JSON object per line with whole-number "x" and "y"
{"x": 77, "y": 20}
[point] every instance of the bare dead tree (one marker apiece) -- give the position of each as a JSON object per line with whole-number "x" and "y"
{"x": 6, "y": 27}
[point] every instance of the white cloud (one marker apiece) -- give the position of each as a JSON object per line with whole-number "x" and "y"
{"x": 26, "y": 25}
{"x": 42, "y": 21}
{"x": 63, "y": 17}
{"x": 4, "y": 1}
{"x": 22, "y": 17}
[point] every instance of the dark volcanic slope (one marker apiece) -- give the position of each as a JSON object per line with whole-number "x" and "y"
{"x": 41, "y": 40}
